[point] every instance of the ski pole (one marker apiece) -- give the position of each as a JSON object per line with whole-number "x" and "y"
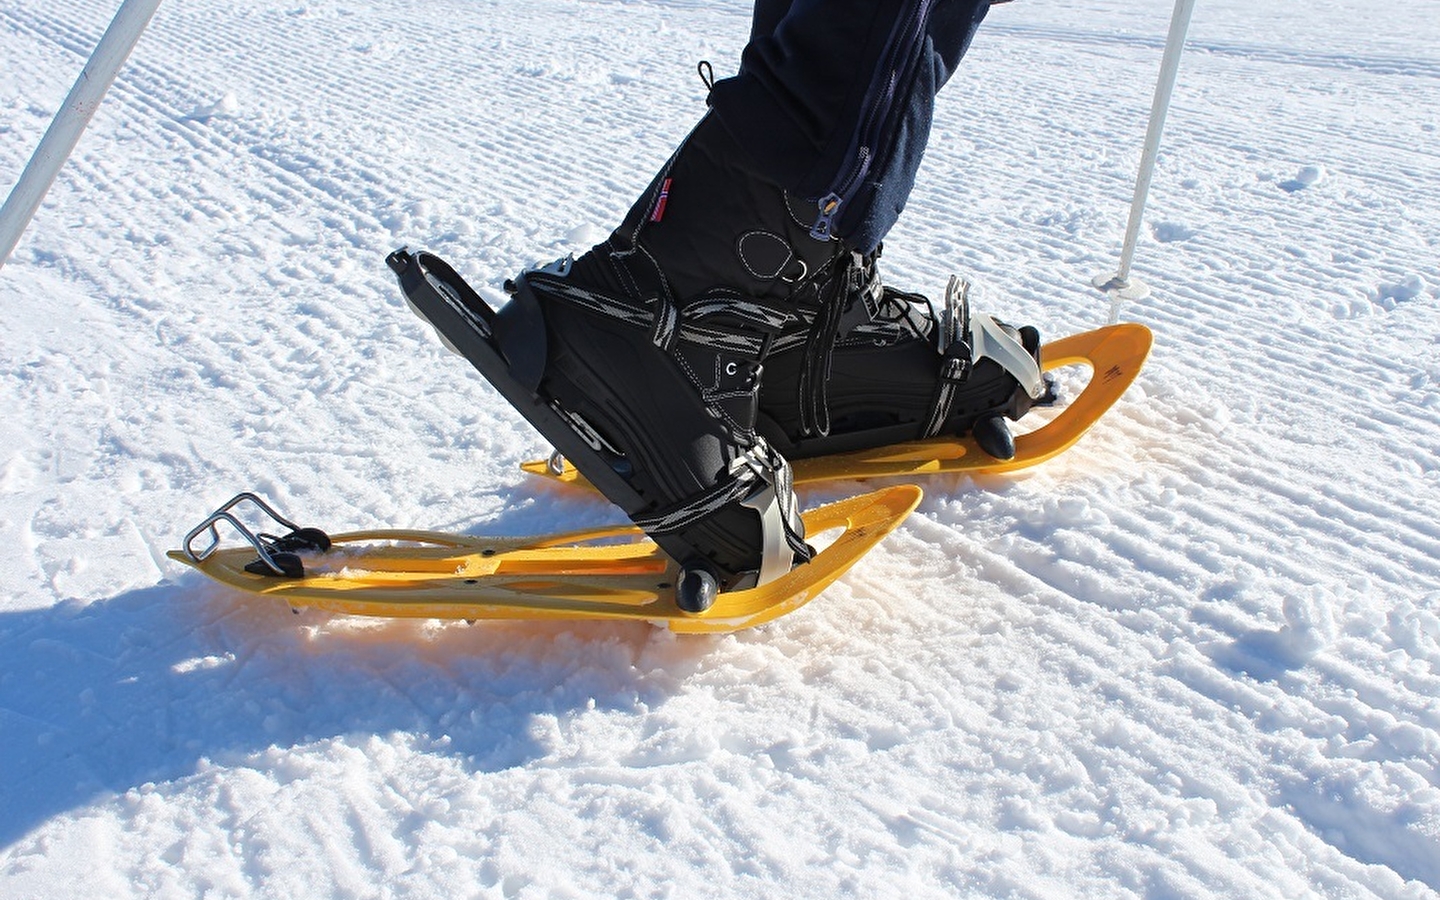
{"x": 1120, "y": 286}
{"x": 69, "y": 123}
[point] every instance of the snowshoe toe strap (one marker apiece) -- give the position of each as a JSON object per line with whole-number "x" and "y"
{"x": 989, "y": 340}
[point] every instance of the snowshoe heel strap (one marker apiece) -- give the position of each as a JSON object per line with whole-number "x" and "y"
{"x": 761, "y": 480}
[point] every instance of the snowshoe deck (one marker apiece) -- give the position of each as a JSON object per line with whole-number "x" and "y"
{"x": 602, "y": 573}
{"x": 1115, "y": 355}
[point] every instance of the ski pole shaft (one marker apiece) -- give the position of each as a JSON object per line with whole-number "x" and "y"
{"x": 69, "y": 123}
{"x": 1164, "y": 88}
{"x": 1119, "y": 285}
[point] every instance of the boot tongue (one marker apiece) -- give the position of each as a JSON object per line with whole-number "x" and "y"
{"x": 911, "y": 315}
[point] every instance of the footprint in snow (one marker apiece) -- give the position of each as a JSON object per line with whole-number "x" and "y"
{"x": 1384, "y": 297}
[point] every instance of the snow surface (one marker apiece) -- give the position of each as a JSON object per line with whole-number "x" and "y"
{"x": 1199, "y": 655}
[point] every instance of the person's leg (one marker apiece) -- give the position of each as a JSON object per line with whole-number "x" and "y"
{"x": 766, "y": 17}
{"x": 652, "y": 346}
{"x": 834, "y": 100}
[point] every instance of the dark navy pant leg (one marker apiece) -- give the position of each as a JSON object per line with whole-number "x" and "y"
{"x": 834, "y": 101}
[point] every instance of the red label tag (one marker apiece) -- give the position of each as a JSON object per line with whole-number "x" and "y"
{"x": 659, "y": 212}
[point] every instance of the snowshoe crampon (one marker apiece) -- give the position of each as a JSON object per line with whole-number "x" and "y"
{"x": 602, "y": 573}
{"x": 1114, "y": 354}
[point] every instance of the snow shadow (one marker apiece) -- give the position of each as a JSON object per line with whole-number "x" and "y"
{"x": 141, "y": 688}
{"x": 1267, "y": 654}
{"x": 1339, "y": 805}
{"x": 1264, "y": 654}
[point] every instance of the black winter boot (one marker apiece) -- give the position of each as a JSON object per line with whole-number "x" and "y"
{"x": 649, "y": 348}
{"x": 873, "y": 366}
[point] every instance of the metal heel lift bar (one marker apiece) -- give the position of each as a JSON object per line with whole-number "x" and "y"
{"x": 256, "y": 540}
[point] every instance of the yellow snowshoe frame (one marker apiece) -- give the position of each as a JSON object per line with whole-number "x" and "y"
{"x": 601, "y": 573}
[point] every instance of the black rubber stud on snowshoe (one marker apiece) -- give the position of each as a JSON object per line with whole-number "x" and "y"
{"x": 994, "y": 437}
{"x": 1030, "y": 340}
{"x": 283, "y": 553}
{"x": 289, "y": 563}
{"x": 311, "y": 539}
{"x": 696, "y": 590}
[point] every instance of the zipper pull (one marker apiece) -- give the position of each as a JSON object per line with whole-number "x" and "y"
{"x": 824, "y": 226}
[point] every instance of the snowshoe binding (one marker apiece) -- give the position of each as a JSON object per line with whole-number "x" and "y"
{"x": 872, "y": 366}
{"x": 641, "y": 360}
